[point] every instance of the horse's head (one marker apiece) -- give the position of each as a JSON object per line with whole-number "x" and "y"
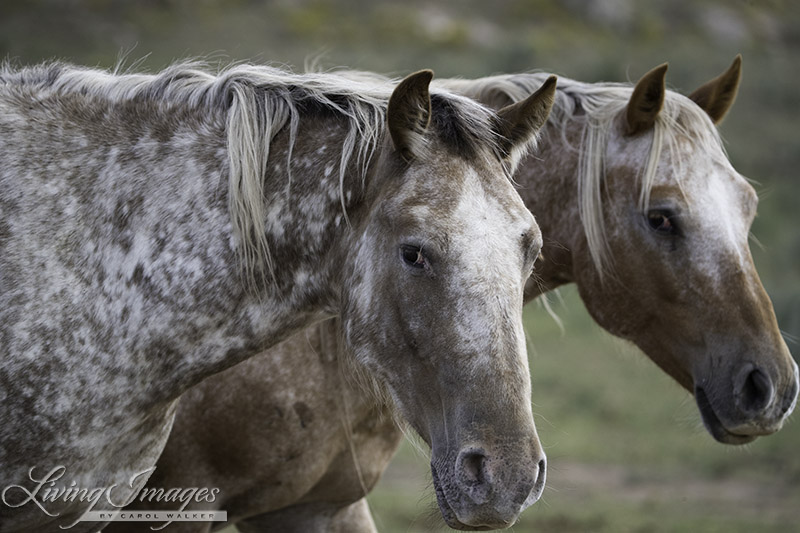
{"x": 433, "y": 299}
{"x": 681, "y": 282}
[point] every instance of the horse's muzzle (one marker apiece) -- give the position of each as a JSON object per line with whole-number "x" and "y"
{"x": 757, "y": 406}
{"x": 485, "y": 491}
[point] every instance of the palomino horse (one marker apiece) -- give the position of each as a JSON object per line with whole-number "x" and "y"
{"x": 677, "y": 279}
{"x": 157, "y": 229}
{"x": 661, "y": 257}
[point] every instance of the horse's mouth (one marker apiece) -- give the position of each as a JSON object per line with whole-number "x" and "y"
{"x": 714, "y": 425}
{"x": 448, "y": 514}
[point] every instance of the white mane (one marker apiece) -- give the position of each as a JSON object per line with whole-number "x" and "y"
{"x": 595, "y": 107}
{"x": 256, "y": 116}
{"x": 256, "y": 102}
{"x": 260, "y": 101}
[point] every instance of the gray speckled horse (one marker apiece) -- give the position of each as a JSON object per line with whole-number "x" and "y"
{"x": 293, "y": 473}
{"x": 157, "y": 229}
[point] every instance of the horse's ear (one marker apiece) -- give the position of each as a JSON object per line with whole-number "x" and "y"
{"x": 518, "y": 123}
{"x": 716, "y": 96}
{"x": 646, "y": 101}
{"x": 409, "y": 113}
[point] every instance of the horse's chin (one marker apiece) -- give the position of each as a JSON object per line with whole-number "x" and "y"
{"x": 448, "y": 514}
{"x": 714, "y": 425}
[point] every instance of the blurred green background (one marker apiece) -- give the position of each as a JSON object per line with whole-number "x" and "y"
{"x": 626, "y": 448}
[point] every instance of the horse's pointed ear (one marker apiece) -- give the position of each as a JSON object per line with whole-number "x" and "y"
{"x": 518, "y": 123}
{"x": 716, "y": 96}
{"x": 409, "y": 113}
{"x": 646, "y": 101}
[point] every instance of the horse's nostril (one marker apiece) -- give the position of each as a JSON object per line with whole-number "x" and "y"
{"x": 538, "y": 487}
{"x": 789, "y": 398}
{"x": 755, "y": 392}
{"x": 473, "y": 475}
{"x": 473, "y": 466}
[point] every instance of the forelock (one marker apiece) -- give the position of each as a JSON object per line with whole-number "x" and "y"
{"x": 464, "y": 127}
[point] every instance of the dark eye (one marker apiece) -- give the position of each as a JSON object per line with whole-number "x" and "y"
{"x": 663, "y": 221}
{"x": 413, "y": 257}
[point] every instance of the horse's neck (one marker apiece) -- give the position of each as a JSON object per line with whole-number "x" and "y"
{"x": 305, "y": 214}
{"x": 148, "y": 234}
{"x": 549, "y": 187}
{"x": 305, "y": 232}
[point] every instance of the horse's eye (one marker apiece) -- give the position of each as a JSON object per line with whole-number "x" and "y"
{"x": 662, "y": 221}
{"x": 412, "y": 255}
